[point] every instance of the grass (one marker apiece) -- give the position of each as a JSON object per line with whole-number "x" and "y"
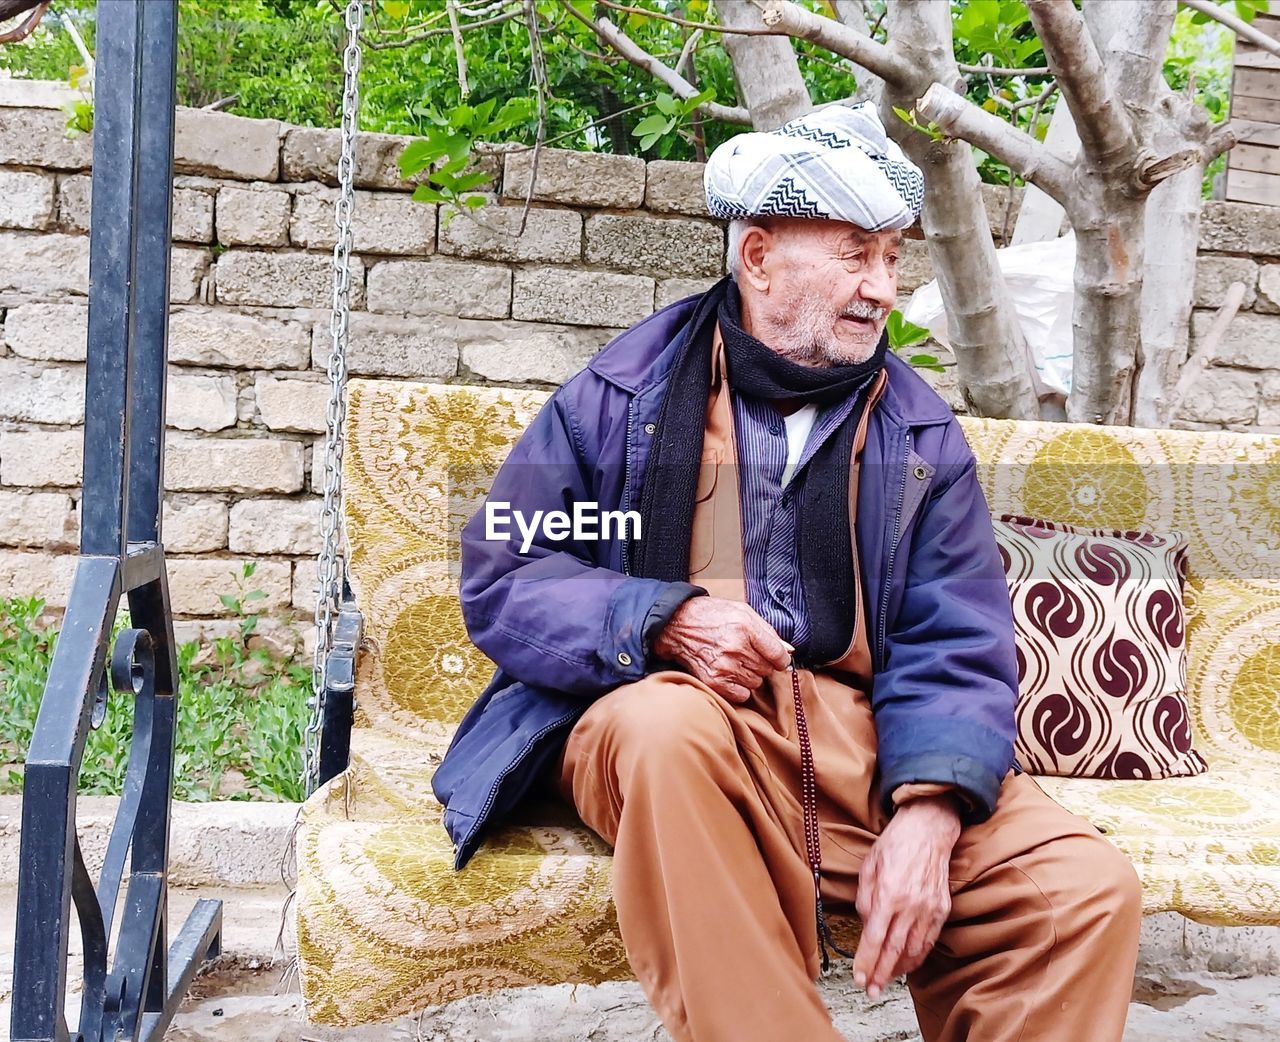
{"x": 241, "y": 711}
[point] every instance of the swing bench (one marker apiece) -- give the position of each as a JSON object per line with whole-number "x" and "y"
{"x": 385, "y": 924}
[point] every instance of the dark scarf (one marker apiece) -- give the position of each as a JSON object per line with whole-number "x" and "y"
{"x": 822, "y": 509}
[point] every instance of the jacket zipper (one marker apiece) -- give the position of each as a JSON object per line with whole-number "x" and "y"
{"x": 893, "y": 551}
{"x": 511, "y": 766}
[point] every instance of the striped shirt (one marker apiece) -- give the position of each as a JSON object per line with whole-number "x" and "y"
{"x": 767, "y": 499}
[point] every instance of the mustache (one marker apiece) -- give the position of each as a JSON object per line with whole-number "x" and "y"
{"x": 865, "y": 310}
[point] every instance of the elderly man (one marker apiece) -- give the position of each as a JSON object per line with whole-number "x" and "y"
{"x": 793, "y": 689}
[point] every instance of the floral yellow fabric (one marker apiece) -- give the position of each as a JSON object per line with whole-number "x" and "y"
{"x": 386, "y": 926}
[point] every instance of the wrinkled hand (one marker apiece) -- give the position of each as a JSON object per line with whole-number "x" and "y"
{"x": 903, "y": 898}
{"x": 723, "y": 643}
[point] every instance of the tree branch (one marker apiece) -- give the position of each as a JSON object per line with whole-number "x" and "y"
{"x": 996, "y": 70}
{"x": 1237, "y": 25}
{"x": 786, "y": 18}
{"x": 1022, "y": 153}
{"x": 1101, "y": 122}
{"x": 613, "y": 36}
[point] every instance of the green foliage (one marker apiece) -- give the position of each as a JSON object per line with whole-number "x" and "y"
{"x": 903, "y": 335}
{"x": 241, "y": 710}
{"x": 281, "y": 59}
{"x": 444, "y": 150}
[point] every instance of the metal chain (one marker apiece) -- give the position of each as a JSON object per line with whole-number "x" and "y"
{"x": 329, "y": 565}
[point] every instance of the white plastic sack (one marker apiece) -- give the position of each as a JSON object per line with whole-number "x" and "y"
{"x": 1039, "y": 278}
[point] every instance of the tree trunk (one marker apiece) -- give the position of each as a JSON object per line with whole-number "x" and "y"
{"x": 993, "y": 365}
{"x": 1172, "y": 237}
{"x": 766, "y": 69}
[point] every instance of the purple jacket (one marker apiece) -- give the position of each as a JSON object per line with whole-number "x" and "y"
{"x": 565, "y": 621}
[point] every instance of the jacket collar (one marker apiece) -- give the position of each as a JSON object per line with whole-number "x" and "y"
{"x": 642, "y": 356}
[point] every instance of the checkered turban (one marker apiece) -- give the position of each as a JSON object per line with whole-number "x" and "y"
{"x": 835, "y": 163}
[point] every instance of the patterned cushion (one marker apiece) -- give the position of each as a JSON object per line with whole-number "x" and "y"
{"x": 1102, "y": 659}
{"x": 385, "y": 926}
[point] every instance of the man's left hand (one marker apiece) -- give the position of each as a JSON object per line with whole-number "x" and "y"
{"x": 903, "y": 897}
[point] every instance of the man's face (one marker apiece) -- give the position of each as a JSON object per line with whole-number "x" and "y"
{"x": 831, "y": 286}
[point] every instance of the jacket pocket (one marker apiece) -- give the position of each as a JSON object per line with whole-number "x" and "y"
{"x": 702, "y": 545}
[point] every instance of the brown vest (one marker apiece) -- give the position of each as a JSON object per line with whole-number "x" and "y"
{"x": 715, "y": 549}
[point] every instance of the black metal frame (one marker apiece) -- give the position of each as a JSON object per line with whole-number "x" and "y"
{"x": 340, "y": 687}
{"x": 134, "y": 995}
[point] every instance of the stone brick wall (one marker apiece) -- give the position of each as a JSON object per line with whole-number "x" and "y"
{"x": 607, "y": 240}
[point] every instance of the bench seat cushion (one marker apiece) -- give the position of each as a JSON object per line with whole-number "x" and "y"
{"x": 385, "y": 926}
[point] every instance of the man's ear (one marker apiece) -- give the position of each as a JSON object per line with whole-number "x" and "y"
{"x": 754, "y": 268}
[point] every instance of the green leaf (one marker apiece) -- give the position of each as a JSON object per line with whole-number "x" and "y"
{"x": 654, "y": 124}
{"x": 903, "y": 333}
{"x": 229, "y": 601}
{"x": 666, "y": 104}
{"x": 397, "y": 9}
{"x": 427, "y": 194}
{"x": 647, "y": 143}
{"x": 690, "y": 105}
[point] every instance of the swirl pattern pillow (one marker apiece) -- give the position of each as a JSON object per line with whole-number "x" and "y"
{"x": 1101, "y": 642}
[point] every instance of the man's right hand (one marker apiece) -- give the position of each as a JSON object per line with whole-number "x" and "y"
{"x": 725, "y": 644}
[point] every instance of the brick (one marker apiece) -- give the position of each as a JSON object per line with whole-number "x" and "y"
{"x": 48, "y": 332}
{"x": 581, "y": 298}
{"x": 521, "y": 352}
{"x": 194, "y": 464}
{"x": 306, "y": 586}
{"x": 276, "y": 526}
{"x": 440, "y": 285}
{"x": 291, "y": 405}
{"x": 671, "y": 290}
{"x": 1214, "y": 274}
{"x": 381, "y": 222}
{"x": 1268, "y": 289}
{"x": 222, "y": 145}
{"x": 385, "y": 346}
{"x": 1001, "y": 214}
{"x": 38, "y": 458}
{"x": 1222, "y": 396}
{"x": 26, "y": 199}
{"x": 45, "y": 519}
{"x": 192, "y": 209}
{"x": 256, "y": 216}
{"x": 672, "y": 187}
{"x": 494, "y": 233}
{"x": 206, "y": 336}
{"x": 192, "y": 215}
{"x": 286, "y": 280}
{"x": 1239, "y": 228}
{"x": 576, "y": 178}
{"x": 195, "y": 586}
{"x": 35, "y": 94}
{"x": 74, "y": 202}
{"x": 38, "y": 137}
{"x": 194, "y": 524}
{"x": 41, "y": 575}
{"x": 311, "y": 154}
{"x": 1251, "y": 341}
{"x": 35, "y": 393}
{"x": 188, "y": 268}
{"x": 655, "y": 245}
{"x": 44, "y": 265}
{"x": 200, "y": 403}
{"x": 914, "y": 266}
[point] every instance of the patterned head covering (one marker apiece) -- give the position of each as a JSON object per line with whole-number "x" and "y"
{"x": 835, "y": 163}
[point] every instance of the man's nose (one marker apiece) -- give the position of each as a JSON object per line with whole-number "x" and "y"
{"x": 879, "y": 284}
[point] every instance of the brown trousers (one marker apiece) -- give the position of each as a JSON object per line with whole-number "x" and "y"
{"x": 715, "y": 901}
{"x": 700, "y": 799}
